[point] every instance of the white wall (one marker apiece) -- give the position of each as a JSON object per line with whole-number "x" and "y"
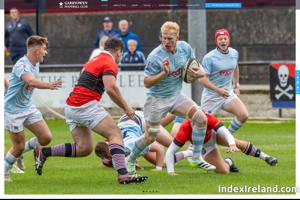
{"x": 129, "y": 82}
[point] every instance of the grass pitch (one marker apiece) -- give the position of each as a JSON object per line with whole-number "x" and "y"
{"x": 88, "y": 176}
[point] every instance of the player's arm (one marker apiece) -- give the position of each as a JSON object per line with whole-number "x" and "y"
{"x": 114, "y": 93}
{"x": 151, "y": 80}
{"x": 158, "y": 157}
{"x": 6, "y": 83}
{"x": 31, "y": 81}
{"x": 235, "y": 81}
{"x": 197, "y": 72}
{"x": 207, "y": 83}
{"x": 224, "y": 133}
{"x": 173, "y": 148}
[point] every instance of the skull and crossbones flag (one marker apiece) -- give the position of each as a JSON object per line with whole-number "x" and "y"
{"x": 282, "y": 84}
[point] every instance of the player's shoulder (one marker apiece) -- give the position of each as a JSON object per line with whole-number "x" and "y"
{"x": 233, "y": 51}
{"x": 156, "y": 53}
{"x": 210, "y": 54}
{"x": 210, "y": 117}
{"x": 183, "y": 44}
{"x": 100, "y": 62}
{"x": 22, "y": 62}
{"x": 104, "y": 57}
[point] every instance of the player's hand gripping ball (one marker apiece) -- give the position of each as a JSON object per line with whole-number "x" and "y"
{"x": 191, "y": 64}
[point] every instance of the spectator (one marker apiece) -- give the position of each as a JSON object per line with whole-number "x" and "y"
{"x": 100, "y": 48}
{"x": 108, "y": 30}
{"x": 124, "y": 34}
{"x": 17, "y": 31}
{"x": 133, "y": 55}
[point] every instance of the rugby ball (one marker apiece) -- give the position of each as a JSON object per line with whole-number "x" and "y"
{"x": 193, "y": 64}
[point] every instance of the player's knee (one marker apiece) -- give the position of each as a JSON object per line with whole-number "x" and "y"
{"x": 45, "y": 140}
{"x": 84, "y": 150}
{"x": 199, "y": 118}
{"x": 88, "y": 150}
{"x": 243, "y": 117}
{"x": 153, "y": 131}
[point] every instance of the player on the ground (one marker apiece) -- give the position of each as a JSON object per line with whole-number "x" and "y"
{"x": 216, "y": 133}
{"x": 221, "y": 89}
{"x": 19, "y": 111}
{"x": 84, "y": 114}
{"x": 131, "y": 131}
{"x": 164, "y": 82}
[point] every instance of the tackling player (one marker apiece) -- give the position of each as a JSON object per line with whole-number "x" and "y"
{"x": 131, "y": 131}
{"x": 216, "y": 133}
{"x": 84, "y": 113}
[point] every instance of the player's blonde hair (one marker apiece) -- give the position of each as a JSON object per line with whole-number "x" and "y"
{"x": 169, "y": 26}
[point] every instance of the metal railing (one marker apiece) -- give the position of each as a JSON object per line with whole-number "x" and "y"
{"x": 251, "y": 72}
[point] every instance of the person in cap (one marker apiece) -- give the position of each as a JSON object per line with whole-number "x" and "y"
{"x": 222, "y": 89}
{"x": 107, "y": 30}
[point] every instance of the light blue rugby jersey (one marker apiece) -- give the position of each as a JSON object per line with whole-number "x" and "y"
{"x": 220, "y": 68}
{"x": 130, "y": 129}
{"x": 18, "y": 97}
{"x": 170, "y": 85}
{"x": 131, "y": 132}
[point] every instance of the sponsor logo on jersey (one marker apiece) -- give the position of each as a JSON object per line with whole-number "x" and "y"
{"x": 176, "y": 72}
{"x": 226, "y": 72}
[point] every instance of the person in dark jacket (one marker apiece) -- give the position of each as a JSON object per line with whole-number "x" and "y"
{"x": 108, "y": 31}
{"x": 133, "y": 55}
{"x": 17, "y": 31}
{"x": 124, "y": 34}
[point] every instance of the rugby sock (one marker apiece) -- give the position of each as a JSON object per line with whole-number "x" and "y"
{"x": 234, "y": 125}
{"x": 118, "y": 158}
{"x": 181, "y": 155}
{"x": 262, "y": 155}
{"x": 62, "y": 150}
{"x": 139, "y": 146}
{"x": 30, "y": 144}
{"x": 228, "y": 161}
{"x": 254, "y": 151}
{"x": 9, "y": 160}
{"x": 178, "y": 156}
{"x": 198, "y": 137}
